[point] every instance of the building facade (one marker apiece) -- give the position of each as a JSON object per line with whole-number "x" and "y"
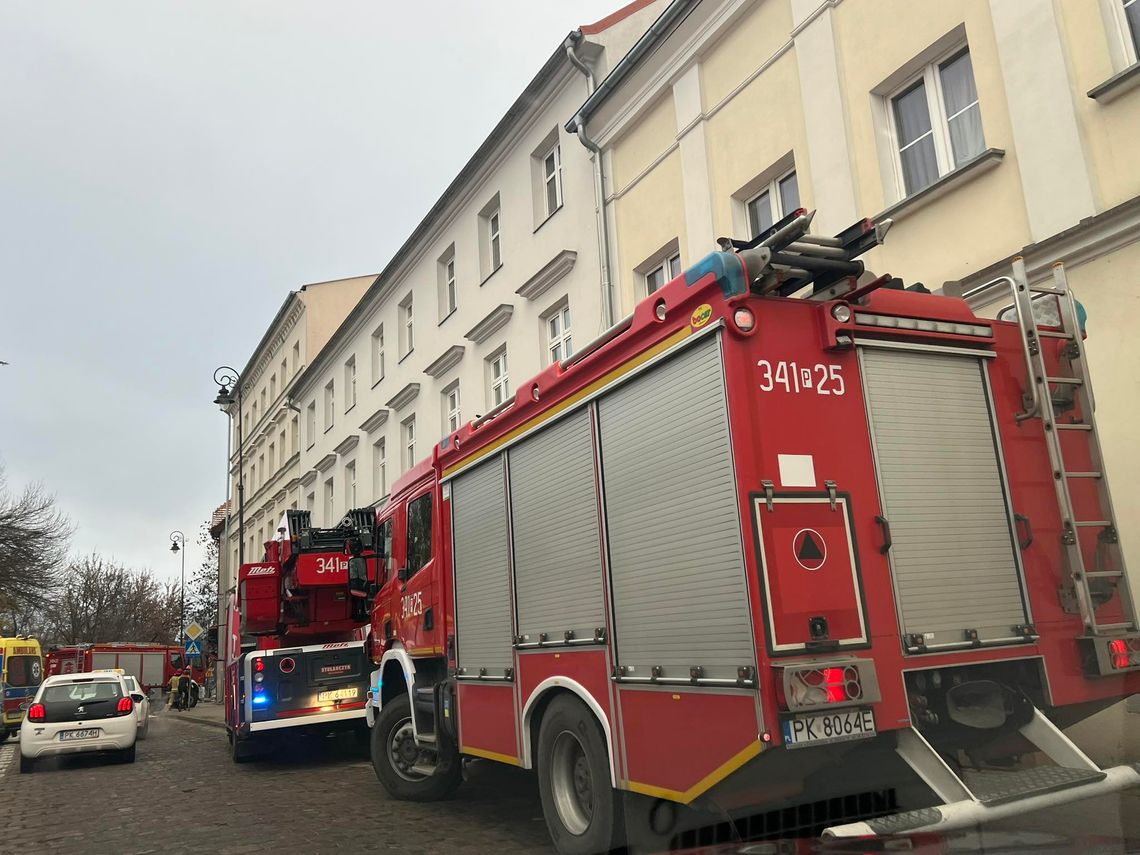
{"x": 501, "y": 279}
{"x": 985, "y": 129}
{"x": 271, "y": 430}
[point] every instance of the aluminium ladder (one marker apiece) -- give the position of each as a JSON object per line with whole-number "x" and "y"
{"x": 1040, "y": 404}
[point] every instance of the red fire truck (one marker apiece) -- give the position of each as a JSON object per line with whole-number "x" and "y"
{"x": 791, "y": 541}
{"x": 151, "y": 664}
{"x": 296, "y": 649}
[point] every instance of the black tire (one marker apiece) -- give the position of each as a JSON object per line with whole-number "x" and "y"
{"x": 241, "y": 750}
{"x": 581, "y": 808}
{"x": 127, "y": 755}
{"x": 26, "y": 764}
{"x": 393, "y": 725}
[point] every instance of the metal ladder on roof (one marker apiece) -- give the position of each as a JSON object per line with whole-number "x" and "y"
{"x": 1089, "y": 587}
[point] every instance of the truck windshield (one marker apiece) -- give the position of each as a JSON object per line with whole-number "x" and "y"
{"x": 24, "y": 671}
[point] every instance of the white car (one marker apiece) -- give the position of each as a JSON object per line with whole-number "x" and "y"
{"x": 77, "y": 713}
{"x": 142, "y": 708}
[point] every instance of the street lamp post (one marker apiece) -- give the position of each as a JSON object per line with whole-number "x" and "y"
{"x": 176, "y": 538}
{"x": 229, "y": 391}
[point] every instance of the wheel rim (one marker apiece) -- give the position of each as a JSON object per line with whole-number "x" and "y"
{"x": 405, "y": 754}
{"x": 571, "y": 783}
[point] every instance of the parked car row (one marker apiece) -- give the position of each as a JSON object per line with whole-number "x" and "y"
{"x": 97, "y": 711}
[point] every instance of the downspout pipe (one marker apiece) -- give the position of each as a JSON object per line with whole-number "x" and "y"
{"x": 599, "y": 183}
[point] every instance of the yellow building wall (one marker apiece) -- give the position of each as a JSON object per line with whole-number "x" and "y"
{"x": 1110, "y": 132}
{"x": 647, "y": 217}
{"x": 1109, "y": 289}
{"x": 752, "y": 132}
{"x": 648, "y": 138}
{"x": 753, "y": 37}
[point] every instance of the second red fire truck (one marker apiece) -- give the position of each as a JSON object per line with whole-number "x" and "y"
{"x": 791, "y": 541}
{"x": 296, "y": 658}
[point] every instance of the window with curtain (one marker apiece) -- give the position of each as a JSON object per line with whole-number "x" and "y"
{"x": 937, "y": 122}
{"x": 778, "y": 199}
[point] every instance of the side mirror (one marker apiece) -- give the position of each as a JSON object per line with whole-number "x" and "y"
{"x": 357, "y": 573}
{"x": 402, "y": 574}
{"x": 137, "y": 697}
{"x": 373, "y": 590}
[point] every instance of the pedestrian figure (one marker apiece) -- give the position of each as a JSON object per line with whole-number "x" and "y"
{"x": 172, "y": 701}
{"x": 184, "y": 690}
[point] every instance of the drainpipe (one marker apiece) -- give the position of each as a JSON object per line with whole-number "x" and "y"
{"x": 599, "y": 184}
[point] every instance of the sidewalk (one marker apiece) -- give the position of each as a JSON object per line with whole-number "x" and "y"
{"x": 206, "y": 712}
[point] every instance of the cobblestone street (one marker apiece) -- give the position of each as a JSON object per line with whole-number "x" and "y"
{"x": 184, "y": 794}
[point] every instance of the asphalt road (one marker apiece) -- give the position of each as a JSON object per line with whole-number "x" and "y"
{"x": 184, "y": 794}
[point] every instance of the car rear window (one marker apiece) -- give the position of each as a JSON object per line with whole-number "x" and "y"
{"x": 81, "y": 693}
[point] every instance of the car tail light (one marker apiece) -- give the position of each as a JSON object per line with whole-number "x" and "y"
{"x": 36, "y": 712}
{"x": 125, "y": 706}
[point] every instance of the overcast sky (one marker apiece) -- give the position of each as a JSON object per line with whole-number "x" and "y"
{"x": 168, "y": 172}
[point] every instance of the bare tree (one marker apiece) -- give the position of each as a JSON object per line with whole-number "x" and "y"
{"x": 34, "y": 538}
{"x": 100, "y": 600}
{"x": 202, "y": 589}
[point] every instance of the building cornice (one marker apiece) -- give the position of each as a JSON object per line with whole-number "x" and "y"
{"x": 445, "y": 361}
{"x": 347, "y": 444}
{"x": 375, "y": 420}
{"x": 495, "y": 320}
{"x": 275, "y": 336}
{"x": 325, "y": 462}
{"x": 548, "y": 275}
{"x": 308, "y": 478}
{"x": 404, "y": 397}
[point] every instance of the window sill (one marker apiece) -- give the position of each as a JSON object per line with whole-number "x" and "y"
{"x": 984, "y": 162}
{"x": 445, "y": 317}
{"x": 405, "y": 356}
{"x": 548, "y": 218}
{"x": 489, "y": 275}
{"x": 1116, "y": 85}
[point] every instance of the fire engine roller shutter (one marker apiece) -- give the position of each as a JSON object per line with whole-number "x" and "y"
{"x": 482, "y": 585}
{"x": 677, "y": 565}
{"x": 554, "y": 511}
{"x": 942, "y": 488}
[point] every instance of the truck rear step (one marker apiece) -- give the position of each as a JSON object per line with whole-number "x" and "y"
{"x": 979, "y": 797}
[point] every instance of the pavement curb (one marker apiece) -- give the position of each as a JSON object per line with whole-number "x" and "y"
{"x": 205, "y": 721}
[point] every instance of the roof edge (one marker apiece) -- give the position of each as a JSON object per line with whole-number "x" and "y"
{"x": 614, "y": 17}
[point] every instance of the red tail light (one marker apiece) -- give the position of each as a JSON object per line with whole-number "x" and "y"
{"x": 1118, "y": 650}
{"x": 125, "y": 706}
{"x": 258, "y": 664}
{"x": 836, "y": 685}
{"x": 36, "y": 712}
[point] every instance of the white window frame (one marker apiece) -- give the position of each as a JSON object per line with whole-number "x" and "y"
{"x": 775, "y": 200}
{"x": 495, "y": 239}
{"x": 330, "y": 502}
{"x": 1129, "y": 37}
{"x": 295, "y": 434}
{"x": 408, "y": 441}
{"x": 939, "y": 121}
{"x": 555, "y": 174}
{"x": 498, "y": 387}
{"x": 562, "y": 341}
{"x": 377, "y": 352}
{"x": 349, "y": 485}
{"x": 451, "y": 408}
{"x": 311, "y": 424}
{"x": 666, "y": 266}
{"x": 296, "y": 356}
{"x": 379, "y": 469}
{"x": 407, "y": 326}
{"x": 350, "y": 383}
{"x": 311, "y": 501}
{"x": 449, "y": 285}
{"x": 330, "y": 404}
